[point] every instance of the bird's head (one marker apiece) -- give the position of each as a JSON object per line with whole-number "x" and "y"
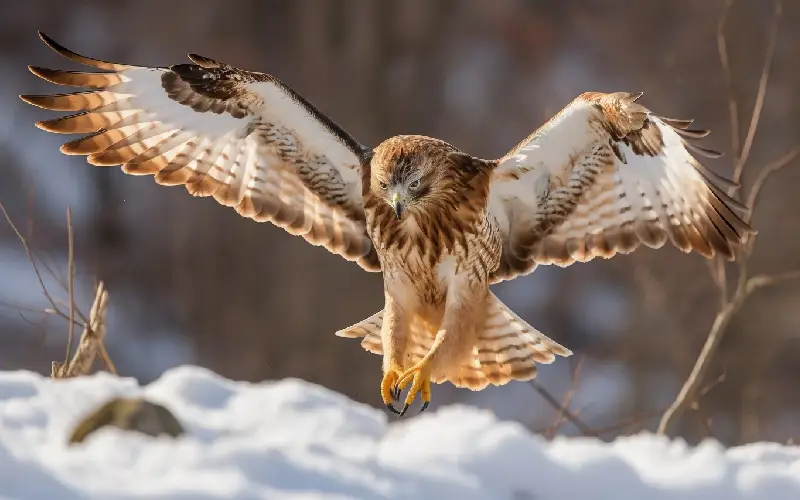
{"x": 410, "y": 171}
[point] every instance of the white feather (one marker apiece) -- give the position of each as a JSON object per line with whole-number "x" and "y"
{"x": 666, "y": 187}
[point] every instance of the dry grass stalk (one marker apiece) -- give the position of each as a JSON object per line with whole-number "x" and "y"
{"x": 94, "y": 327}
{"x": 91, "y": 342}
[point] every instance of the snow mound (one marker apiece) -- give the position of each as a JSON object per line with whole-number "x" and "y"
{"x": 294, "y": 440}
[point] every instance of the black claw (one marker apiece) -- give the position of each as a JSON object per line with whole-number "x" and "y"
{"x": 391, "y": 408}
{"x": 424, "y": 406}
{"x": 405, "y": 409}
{"x": 396, "y": 393}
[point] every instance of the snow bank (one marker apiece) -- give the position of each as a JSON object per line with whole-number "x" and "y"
{"x": 291, "y": 439}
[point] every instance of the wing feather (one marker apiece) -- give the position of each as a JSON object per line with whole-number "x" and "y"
{"x": 244, "y": 138}
{"x": 648, "y": 189}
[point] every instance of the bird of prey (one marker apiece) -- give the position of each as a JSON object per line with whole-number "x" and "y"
{"x": 602, "y": 177}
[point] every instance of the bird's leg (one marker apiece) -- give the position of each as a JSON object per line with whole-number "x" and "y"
{"x": 393, "y": 335}
{"x": 453, "y": 343}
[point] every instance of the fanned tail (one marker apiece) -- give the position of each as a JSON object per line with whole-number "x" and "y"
{"x": 507, "y": 348}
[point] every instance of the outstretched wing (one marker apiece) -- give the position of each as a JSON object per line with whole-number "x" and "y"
{"x": 604, "y": 176}
{"x": 244, "y": 138}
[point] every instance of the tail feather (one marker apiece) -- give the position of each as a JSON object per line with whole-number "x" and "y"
{"x": 506, "y": 348}
{"x": 370, "y": 330}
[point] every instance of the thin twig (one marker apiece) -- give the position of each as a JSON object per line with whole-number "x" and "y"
{"x": 94, "y": 326}
{"x": 733, "y": 107}
{"x": 70, "y": 284}
{"x": 567, "y": 399}
{"x": 17, "y": 307}
{"x": 31, "y": 259}
{"x": 766, "y": 172}
{"x": 54, "y": 303}
{"x": 760, "y": 281}
{"x": 574, "y": 419}
{"x": 711, "y": 385}
{"x": 744, "y": 286}
{"x": 717, "y": 269}
{"x": 706, "y": 423}
{"x": 762, "y": 92}
{"x": 720, "y": 379}
{"x": 49, "y": 267}
{"x": 634, "y": 419}
{"x": 701, "y": 365}
{"x": 110, "y": 366}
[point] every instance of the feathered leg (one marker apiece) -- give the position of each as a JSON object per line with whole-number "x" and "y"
{"x": 464, "y": 312}
{"x": 394, "y": 333}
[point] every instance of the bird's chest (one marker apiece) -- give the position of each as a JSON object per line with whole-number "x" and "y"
{"x": 422, "y": 271}
{"x": 411, "y": 278}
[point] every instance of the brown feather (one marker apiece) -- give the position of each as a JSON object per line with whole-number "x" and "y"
{"x": 77, "y": 78}
{"x": 88, "y": 61}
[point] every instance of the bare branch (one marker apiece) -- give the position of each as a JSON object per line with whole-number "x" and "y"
{"x": 689, "y": 391}
{"x": 634, "y": 419}
{"x": 574, "y": 419}
{"x": 762, "y": 92}
{"x": 70, "y": 284}
{"x": 17, "y": 307}
{"x": 31, "y": 259}
{"x": 717, "y": 269}
{"x": 760, "y": 281}
{"x": 690, "y": 386}
{"x": 567, "y": 399}
{"x": 706, "y": 423}
{"x": 720, "y": 379}
{"x": 91, "y": 342}
{"x": 705, "y": 390}
{"x": 766, "y": 172}
{"x": 54, "y": 303}
{"x": 733, "y": 107}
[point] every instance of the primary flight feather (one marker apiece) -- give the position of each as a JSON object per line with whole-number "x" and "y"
{"x": 602, "y": 177}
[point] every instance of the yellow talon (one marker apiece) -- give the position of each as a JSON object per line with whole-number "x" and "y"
{"x": 419, "y": 377}
{"x": 389, "y": 392}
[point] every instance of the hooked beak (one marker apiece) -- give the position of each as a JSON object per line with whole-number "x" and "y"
{"x": 398, "y": 205}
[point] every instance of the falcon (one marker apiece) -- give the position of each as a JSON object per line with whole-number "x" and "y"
{"x": 602, "y": 177}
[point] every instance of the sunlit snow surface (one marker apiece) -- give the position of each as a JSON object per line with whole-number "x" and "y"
{"x": 291, "y": 439}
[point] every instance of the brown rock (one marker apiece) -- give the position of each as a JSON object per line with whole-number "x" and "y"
{"x": 132, "y": 414}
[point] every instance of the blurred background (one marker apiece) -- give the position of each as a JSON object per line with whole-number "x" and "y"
{"x": 192, "y": 282}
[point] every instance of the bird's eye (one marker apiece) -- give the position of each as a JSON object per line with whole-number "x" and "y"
{"x": 414, "y": 185}
{"x": 382, "y": 185}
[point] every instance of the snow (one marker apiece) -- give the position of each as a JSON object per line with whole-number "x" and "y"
{"x": 290, "y": 439}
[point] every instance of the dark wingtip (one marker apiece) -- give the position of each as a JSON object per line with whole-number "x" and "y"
{"x": 190, "y": 73}
{"x": 204, "y": 61}
{"x": 74, "y": 56}
{"x": 43, "y": 73}
{"x": 34, "y": 100}
{"x": 52, "y": 43}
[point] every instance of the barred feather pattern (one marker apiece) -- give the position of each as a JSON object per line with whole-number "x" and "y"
{"x": 554, "y": 209}
{"x": 507, "y": 348}
{"x": 242, "y": 137}
{"x": 444, "y": 217}
{"x": 646, "y": 189}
